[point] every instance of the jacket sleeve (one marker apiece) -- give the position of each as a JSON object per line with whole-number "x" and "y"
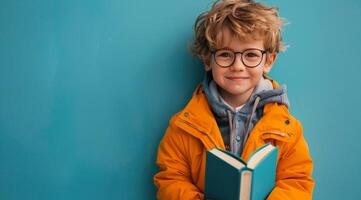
{"x": 174, "y": 177}
{"x": 294, "y": 172}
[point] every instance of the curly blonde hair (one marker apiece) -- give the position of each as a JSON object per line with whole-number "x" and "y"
{"x": 245, "y": 19}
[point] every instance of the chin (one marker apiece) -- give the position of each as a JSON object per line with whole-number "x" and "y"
{"x": 237, "y": 92}
{"x": 240, "y": 90}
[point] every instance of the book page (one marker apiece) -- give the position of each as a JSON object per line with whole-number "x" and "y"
{"x": 258, "y": 156}
{"x": 227, "y": 158}
{"x": 246, "y": 180}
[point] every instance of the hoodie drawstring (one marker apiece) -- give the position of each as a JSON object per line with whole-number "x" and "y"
{"x": 256, "y": 101}
{"x": 230, "y": 130}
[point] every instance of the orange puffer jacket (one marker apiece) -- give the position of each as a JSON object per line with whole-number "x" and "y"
{"x": 194, "y": 130}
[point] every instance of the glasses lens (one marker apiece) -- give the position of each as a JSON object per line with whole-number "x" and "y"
{"x": 224, "y": 58}
{"x": 252, "y": 57}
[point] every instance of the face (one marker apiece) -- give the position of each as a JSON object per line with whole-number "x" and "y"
{"x": 236, "y": 82}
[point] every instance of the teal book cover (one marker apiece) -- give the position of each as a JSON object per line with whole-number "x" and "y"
{"x": 228, "y": 177}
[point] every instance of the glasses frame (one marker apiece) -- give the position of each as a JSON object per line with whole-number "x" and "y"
{"x": 235, "y": 56}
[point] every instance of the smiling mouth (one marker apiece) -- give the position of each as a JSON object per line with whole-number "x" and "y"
{"x": 237, "y": 78}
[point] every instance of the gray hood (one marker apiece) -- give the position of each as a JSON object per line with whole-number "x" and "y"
{"x": 235, "y": 125}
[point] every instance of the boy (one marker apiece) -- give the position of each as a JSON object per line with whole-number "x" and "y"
{"x": 236, "y": 107}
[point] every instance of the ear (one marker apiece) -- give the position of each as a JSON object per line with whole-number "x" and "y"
{"x": 207, "y": 63}
{"x": 207, "y": 67}
{"x": 270, "y": 59}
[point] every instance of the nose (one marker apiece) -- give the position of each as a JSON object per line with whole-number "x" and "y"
{"x": 238, "y": 64}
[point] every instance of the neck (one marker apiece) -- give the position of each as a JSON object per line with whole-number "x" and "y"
{"x": 235, "y": 100}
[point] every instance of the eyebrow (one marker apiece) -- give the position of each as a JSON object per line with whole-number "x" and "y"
{"x": 228, "y": 48}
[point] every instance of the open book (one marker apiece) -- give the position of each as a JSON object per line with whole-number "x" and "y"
{"x": 228, "y": 177}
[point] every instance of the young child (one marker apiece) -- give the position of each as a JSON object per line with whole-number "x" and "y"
{"x": 236, "y": 107}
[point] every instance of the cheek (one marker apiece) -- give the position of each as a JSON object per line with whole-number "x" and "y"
{"x": 256, "y": 73}
{"x": 217, "y": 72}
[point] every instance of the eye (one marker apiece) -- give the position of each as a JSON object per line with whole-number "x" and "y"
{"x": 252, "y": 55}
{"x": 224, "y": 54}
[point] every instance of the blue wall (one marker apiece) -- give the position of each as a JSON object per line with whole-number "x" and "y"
{"x": 87, "y": 88}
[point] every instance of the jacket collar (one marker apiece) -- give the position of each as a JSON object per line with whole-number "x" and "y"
{"x": 197, "y": 119}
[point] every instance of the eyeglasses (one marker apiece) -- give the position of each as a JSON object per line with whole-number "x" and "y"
{"x": 249, "y": 57}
